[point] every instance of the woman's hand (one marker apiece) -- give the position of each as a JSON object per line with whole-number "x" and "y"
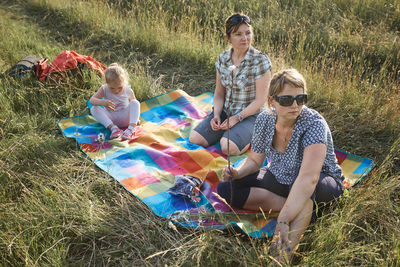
{"x": 229, "y": 173}
{"x": 281, "y": 241}
{"x": 215, "y": 123}
{"x": 109, "y": 104}
{"x": 233, "y": 120}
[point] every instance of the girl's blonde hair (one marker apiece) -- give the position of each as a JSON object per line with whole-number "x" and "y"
{"x": 288, "y": 76}
{"x": 116, "y": 72}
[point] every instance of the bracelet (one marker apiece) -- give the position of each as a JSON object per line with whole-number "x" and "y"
{"x": 284, "y": 223}
{"x": 240, "y": 117}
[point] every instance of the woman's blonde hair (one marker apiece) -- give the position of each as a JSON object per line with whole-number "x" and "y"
{"x": 116, "y": 72}
{"x": 288, "y": 76}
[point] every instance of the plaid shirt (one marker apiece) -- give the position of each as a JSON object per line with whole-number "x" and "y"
{"x": 254, "y": 65}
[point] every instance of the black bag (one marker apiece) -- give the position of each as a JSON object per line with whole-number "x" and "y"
{"x": 24, "y": 67}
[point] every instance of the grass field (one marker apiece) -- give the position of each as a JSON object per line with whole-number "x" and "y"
{"x": 58, "y": 209}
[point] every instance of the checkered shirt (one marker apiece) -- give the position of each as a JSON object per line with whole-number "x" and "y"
{"x": 254, "y": 65}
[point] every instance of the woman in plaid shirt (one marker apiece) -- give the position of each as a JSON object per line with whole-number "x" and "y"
{"x": 242, "y": 80}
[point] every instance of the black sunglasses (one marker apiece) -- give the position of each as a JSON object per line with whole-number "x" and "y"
{"x": 239, "y": 19}
{"x": 287, "y": 100}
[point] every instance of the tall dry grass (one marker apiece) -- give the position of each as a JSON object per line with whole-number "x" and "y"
{"x": 57, "y": 208}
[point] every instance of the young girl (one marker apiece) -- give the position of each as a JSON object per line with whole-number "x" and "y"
{"x": 121, "y": 109}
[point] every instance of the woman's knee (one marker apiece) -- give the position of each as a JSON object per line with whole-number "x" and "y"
{"x": 233, "y": 148}
{"x": 224, "y": 190}
{"x": 197, "y": 139}
{"x": 234, "y": 195}
{"x": 327, "y": 190}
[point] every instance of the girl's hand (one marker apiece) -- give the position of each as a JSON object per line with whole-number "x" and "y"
{"x": 215, "y": 123}
{"x": 109, "y": 104}
{"x": 233, "y": 120}
{"x": 229, "y": 173}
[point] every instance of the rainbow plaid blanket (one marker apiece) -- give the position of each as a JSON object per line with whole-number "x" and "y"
{"x": 146, "y": 165}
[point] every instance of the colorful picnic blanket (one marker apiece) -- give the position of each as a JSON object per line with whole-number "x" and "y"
{"x": 146, "y": 165}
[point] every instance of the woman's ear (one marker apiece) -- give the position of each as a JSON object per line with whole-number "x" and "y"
{"x": 270, "y": 101}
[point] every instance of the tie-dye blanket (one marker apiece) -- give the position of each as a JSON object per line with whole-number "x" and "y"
{"x": 146, "y": 165}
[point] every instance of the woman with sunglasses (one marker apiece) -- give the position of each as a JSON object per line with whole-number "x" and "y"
{"x": 242, "y": 79}
{"x": 302, "y": 169}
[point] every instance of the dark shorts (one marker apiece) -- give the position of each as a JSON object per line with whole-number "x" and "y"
{"x": 240, "y": 134}
{"x": 326, "y": 190}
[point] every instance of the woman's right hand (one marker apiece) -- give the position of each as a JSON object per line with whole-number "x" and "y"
{"x": 109, "y": 104}
{"x": 229, "y": 173}
{"x": 215, "y": 123}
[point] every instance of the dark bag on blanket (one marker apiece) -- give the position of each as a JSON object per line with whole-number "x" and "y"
{"x": 186, "y": 186}
{"x": 24, "y": 67}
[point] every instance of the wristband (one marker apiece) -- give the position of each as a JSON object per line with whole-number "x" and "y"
{"x": 240, "y": 117}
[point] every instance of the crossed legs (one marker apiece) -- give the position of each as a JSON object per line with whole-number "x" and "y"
{"x": 122, "y": 118}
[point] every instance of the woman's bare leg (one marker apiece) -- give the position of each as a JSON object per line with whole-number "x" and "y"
{"x": 197, "y": 139}
{"x": 233, "y": 149}
{"x": 260, "y": 198}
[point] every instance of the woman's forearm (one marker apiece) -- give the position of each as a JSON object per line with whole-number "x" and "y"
{"x": 252, "y": 164}
{"x": 305, "y": 183}
{"x": 218, "y": 104}
{"x": 301, "y": 191}
{"x": 248, "y": 167}
{"x": 252, "y": 108}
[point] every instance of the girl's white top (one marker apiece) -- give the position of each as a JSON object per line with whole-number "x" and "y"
{"x": 121, "y": 101}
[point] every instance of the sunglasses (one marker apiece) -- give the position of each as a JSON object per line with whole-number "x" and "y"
{"x": 240, "y": 19}
{"x": 287, "y": 100}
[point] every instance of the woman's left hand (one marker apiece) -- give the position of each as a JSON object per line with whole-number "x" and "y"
{"x": 233, "y": 120}
{"x": 281, "y": 240}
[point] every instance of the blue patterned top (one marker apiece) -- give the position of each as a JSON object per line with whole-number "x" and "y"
{"x": 310, "y": 128}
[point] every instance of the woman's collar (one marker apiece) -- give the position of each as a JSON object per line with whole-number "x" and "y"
{"x": 249, "y": 52}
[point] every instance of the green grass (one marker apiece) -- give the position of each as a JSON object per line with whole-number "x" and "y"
{"x": 58, "y": 209}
